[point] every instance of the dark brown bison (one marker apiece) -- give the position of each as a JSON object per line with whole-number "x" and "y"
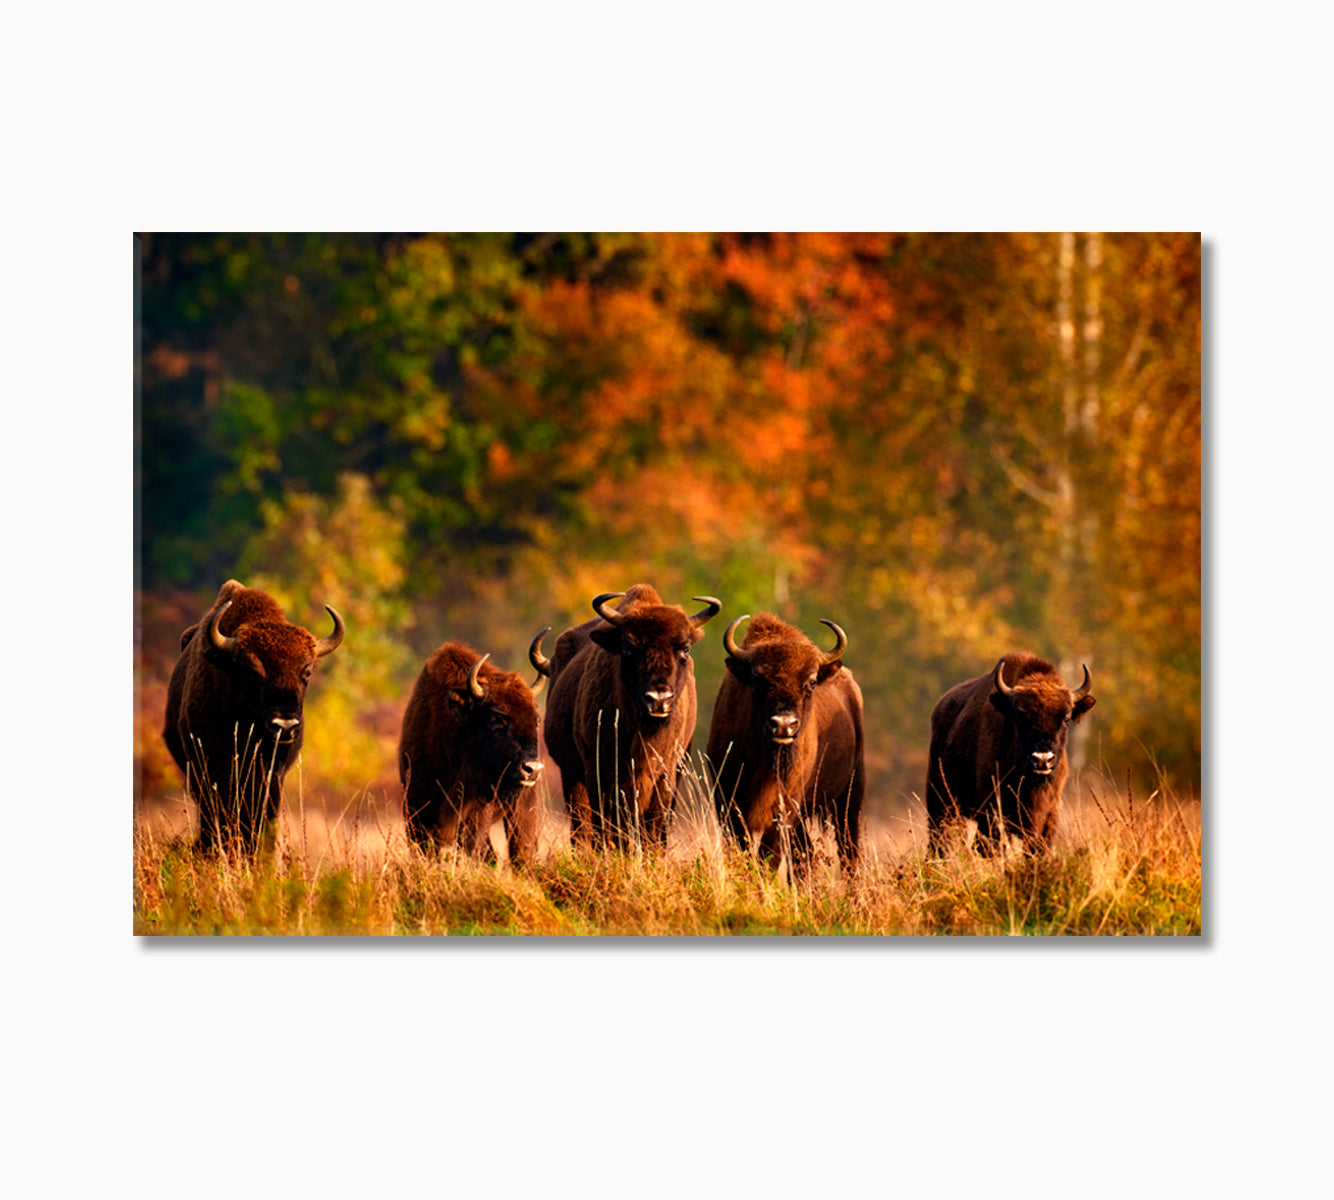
{"x": 998, "y": 752}
{"x": 621, "y": 714}
{"x": 234, "y": 710}
{"x": 786, "y": 742}
{"x": 468, "y": 753}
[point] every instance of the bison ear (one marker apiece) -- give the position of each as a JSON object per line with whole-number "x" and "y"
{"x": 1082, "y": 706}
{"x": 828, "y": 670}
{"x": 739, "y": 667}
{"x": 1001, "y": 701}
{"x": 608, "y": 639}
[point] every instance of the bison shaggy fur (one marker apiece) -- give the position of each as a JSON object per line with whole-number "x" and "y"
{"x": 621, "y": 715}
{"x": 786, "y": 742}
{"x": 234, "y": 720}
{"x": 998, "y": 752}
{"x": 468, "y": 753}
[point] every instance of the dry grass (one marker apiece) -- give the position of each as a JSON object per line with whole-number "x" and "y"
{"x": 1121, "y": 865}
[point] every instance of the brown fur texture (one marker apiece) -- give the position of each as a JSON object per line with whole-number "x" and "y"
{"x": 467, "y": 762}
{"x": 619, "y": 764}
{"x": 766, "y": 788}
{"x": 221, "y": 709}
{"x": 986, "y": 749}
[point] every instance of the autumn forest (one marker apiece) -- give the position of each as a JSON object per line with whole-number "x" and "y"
{"x": 953, "y": 445}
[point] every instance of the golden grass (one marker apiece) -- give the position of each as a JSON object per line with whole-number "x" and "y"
{"x": 1120, "y": 866}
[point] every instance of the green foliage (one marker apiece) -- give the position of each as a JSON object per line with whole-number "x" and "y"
{"x": 347, "y": 551}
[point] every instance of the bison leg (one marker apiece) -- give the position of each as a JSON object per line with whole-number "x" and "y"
{"x": 210, "y": 819}
{"x": 740, "y": 831}
{"x": 657, "y": 820}
{"x": 421, "y": 816}
{"x": 799, "y": 843}
{"x": 581, "y": 813}
{"x": 787, "y": 836}
{"x": 434, "y": 828}
{"x": 847, "y": 833}
{"x": 514, "y": 841}
{"x": 942, "y": 809}
{"x": 1003, "y": 818}
{"x": 1045, "y": 815}
{"x": 475, "y": 832}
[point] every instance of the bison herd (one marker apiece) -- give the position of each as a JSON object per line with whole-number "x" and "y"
{"x": 785, "y": 745}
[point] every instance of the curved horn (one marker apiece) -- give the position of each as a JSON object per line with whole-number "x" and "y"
{"x": 839, "y": 646}
{"x": 331, "y": 643}
{"x": 540, "y": 663}
{"x": 729, "y": 640}
{"x": 610, "y": 615}
{"x": 1083, "y": 691}
{"x": 999, "y": 680}
{"x": 715, "y": 606}
{"x": 474, "y": 680}
{"x": 220, "y": 640}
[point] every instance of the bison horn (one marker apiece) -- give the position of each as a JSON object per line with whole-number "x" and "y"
{"x": 220, "y": 640}
{"x": 474, "y": 678}
{"x": 715, "y": 606}
{"x": 610, "y": 615}
{"x": 1084, "y": 690}
{"x": 540, "y": 662}
{"x": 839, "y": 646}
{"x": 331, "y": 643}
{"x": 729, "y": 640}
{"x": 999, "y": 679}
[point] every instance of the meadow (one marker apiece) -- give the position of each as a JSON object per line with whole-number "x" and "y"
{"x": 1121, "y": 865}
{"x": 954, "y": 446}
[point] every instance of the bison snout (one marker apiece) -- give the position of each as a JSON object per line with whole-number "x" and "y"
{"x": 660, "y": 702}
{"x": 284, "y": 728}
{"x": 530, "y": 772}
{"x": 783, "y": 728}
{"x": 1044, "y": 761}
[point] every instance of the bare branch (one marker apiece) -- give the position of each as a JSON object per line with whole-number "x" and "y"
{"x": 1023, "y": 482}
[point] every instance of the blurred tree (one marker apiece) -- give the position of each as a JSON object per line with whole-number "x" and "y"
{"x": 348, "y": 551}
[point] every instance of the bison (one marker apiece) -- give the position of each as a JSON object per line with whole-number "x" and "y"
{"x": 468, "y": 754}
{"x": 234, "y": 710}
{"x": 621, "y": 714}
{"x": 998, "y": 752}
{"x": 786, "y": 742}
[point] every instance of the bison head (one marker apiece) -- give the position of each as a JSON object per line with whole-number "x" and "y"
{"x": 268, "y": 664}
{"x": 782, "y": 668}
{"x": 498, "y": 724}
{"x": 653, "y": 641}
{"x": 1042, "y": 710}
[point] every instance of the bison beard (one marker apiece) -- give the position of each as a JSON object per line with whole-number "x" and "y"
{"x": 234, "y": 721}
{"x": 786, "y": 743}
{"x": 998, "y": 752}
{"x": 467, "y": 755}
{"x": 621, "y": 715}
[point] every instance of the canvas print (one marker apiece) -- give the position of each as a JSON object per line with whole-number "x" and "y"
{"x": 674, "y": 584}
